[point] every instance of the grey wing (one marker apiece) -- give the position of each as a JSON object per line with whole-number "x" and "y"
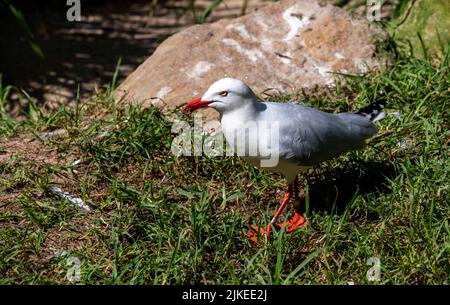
{"x": 309, "y": 136}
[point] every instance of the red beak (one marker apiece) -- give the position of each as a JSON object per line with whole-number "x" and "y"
{"x": 196, "y": 104}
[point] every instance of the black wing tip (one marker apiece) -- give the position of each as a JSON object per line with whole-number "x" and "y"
{"x": 374, "y": 110}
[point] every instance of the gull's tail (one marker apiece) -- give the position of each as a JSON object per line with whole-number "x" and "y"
{"x": 374, "y": 111}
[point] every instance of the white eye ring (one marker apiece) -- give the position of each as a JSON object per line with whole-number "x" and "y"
{"x": 223, "y": 93}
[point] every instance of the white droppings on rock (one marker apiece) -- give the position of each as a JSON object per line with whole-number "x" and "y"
{"x": 285, "y": 61}
{"x": 261, "y": 23}
{"x": 200, "y": 68}
{"x": 266, "y": 44}
{"x": 361, "y": 66}
{"x": 242, "y": 30}
{"x": 226, "y": 58}
{"x": 325, "y": 72}
{"x": 163, "y": 91}
{"x": 339, "y": 55}
{"x": 253, "y": 55}
{"x": 294, "y": 21}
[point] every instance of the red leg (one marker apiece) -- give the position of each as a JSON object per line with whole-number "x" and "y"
{"x": 259, "y": 231}
{"x": 296, "y": 222}
{"x": 285, "y": 201}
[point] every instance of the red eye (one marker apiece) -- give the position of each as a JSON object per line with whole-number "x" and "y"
{"x": 223, "y": 93}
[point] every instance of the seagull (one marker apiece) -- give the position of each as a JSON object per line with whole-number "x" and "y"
{"x": 286, "y": 138}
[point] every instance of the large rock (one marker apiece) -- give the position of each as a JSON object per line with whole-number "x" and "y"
{"x": 284, "y": 46}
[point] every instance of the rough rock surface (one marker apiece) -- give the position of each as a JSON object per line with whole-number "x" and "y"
{"x": 285, "y": 46}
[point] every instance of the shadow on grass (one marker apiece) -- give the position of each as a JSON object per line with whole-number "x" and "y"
{"x": 332, "y": 190}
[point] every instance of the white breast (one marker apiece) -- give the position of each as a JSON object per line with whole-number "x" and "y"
{"x": 257, "y": 142}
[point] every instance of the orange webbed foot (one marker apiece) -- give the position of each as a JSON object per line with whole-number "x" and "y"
{"x": 257, "y": 234}
{"x": 296, "y": 222}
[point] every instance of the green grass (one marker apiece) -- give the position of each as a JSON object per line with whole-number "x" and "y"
{"x": 161, "y": 219}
